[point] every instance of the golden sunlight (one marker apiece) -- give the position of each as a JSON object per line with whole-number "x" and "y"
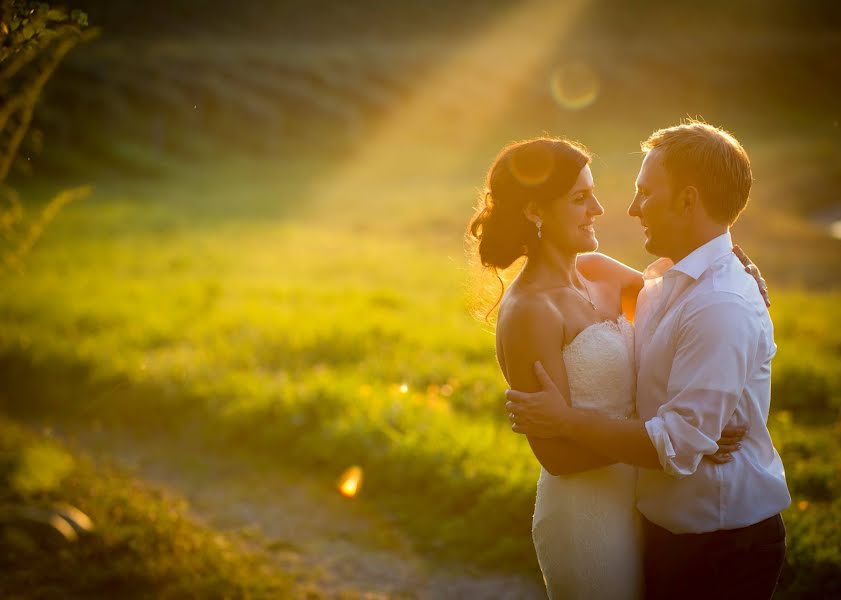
{"x": 444, "y": 112}
{"x": 350, "y": 481}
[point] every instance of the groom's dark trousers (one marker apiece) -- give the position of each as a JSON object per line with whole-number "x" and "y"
{"x": 735, "y": 563}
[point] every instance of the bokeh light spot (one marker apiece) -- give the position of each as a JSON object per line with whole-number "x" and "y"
{"x": 350, "y": 481}
{"x": 575, "y": 85}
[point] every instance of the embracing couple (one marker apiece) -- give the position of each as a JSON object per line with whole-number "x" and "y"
{"x": 644, "y": 396}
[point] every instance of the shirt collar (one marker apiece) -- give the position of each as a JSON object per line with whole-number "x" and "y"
{"x": 657, "y": 268}
{"x": 696, "y": 262}
{"x": 700, "y": 259}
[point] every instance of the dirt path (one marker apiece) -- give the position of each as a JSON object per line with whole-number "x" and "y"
{"x": 337, "y": 548}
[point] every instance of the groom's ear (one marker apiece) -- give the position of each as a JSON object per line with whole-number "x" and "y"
{"x": 688, "y": 201}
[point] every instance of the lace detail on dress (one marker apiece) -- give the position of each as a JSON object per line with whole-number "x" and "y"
{"x": 600, "y": 368}
{"x": 586, "y": 527}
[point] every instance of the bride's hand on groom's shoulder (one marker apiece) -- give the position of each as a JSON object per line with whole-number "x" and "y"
{"x": 754, "y": 272}
{"x": 539, "y": 414}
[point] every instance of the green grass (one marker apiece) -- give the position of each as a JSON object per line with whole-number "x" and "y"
{"x": 811, "y": 455}
{"x": 807, "y": 369}
{"x": 303, "y": 336}
{"x": 141, "y": 544}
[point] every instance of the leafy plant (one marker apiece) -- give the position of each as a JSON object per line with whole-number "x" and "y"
{"x": 34, "y": 38}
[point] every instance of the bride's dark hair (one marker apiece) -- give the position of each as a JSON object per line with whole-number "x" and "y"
{"x": 539, "y": 170}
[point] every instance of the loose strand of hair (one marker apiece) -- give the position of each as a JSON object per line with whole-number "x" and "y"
{"x": 499, "y": 299}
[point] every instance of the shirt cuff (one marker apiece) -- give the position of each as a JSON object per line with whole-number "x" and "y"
{"x": 668, "y": 429}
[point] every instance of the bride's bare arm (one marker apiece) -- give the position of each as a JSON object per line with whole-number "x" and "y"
{"x": 600, "y": 267}
{"x": 533, "y": 332}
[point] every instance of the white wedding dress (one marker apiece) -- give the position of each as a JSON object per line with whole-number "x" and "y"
{"x": 586, "y": 528}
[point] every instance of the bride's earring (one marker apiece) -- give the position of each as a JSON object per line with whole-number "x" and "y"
{"x": 539, "y": 224}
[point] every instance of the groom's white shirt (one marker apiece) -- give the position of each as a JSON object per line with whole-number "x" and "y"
{"x": 704, "y": 344}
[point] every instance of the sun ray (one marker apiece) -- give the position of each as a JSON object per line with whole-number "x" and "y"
{"x": 451, "y": 109}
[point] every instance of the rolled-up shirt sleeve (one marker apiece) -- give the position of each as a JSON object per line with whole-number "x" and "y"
{"x": 717, "y": 339}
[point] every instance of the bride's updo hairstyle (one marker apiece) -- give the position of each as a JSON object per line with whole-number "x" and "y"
{"x": 539, "y": 170}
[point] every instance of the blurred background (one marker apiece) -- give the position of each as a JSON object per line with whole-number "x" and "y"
{"x": 253, "y": 312}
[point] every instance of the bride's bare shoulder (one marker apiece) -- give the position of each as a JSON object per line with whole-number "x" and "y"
{"x": 528, "y": 324}
{"x": 524, "y": 313}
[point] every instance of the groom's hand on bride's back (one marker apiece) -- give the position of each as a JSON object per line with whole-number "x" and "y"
{"x": 753, "y": 271}
{"x": 729, "y": 442}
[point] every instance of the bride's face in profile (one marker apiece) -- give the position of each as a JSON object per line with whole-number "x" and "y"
{"x": 568, "y": 222}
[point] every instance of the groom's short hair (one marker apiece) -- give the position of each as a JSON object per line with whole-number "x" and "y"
{"x": 710, "y": 159}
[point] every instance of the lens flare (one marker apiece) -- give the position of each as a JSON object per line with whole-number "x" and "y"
{"x": 350, "y": 481}
{"x": 532, "y": 164}
{"x": 575, "y": 85}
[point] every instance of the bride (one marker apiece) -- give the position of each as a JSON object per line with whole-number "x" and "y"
{"x": 573, "y": 313}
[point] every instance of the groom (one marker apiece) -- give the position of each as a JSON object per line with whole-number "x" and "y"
{"x": 704, "y": 344}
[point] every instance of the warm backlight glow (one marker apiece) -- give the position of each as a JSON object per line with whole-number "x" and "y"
{"x": 444, "y": 110}
{"x": 350, "y": 481}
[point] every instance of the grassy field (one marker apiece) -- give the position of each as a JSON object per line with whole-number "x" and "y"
{"x": 140, "y": 543}
{"x": 297, "y": 334}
